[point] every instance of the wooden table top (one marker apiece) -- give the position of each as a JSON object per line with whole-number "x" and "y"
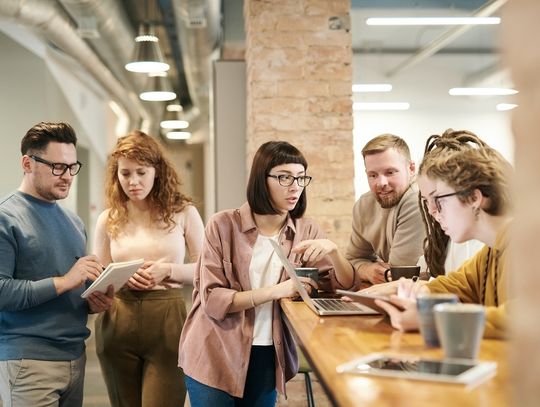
{"x": 332, "y": 340}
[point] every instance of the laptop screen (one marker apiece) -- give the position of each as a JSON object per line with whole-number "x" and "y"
{"x": 291, "y": 272}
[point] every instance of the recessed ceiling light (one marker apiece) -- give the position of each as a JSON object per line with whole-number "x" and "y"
{"x": 505, "y": 106}
{"x": 433, "y": 20}
{"x": 380, "y": 106}
{"x": 482, "y": 91}
{"x": 371, "y": 87}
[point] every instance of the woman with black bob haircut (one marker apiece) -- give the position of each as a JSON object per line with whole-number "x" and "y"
{"x": 235, "y": 348}
{"x": 269, "y": 156}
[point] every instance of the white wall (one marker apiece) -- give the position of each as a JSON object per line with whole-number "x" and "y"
{"x": 37, "y": 84}
{"x": 425, "y": 87}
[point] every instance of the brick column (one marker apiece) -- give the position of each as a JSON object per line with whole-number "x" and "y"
{"x": 520, "y": 27}
{"x": 299, "y": 78}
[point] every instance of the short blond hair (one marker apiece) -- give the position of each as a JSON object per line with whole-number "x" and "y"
{"x": 383, "y": 142}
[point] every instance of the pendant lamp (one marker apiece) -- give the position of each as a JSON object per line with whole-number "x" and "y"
{"x": 147, "y": 56}
{"x": 172, "y": 118}
{"x": 158, "y": 88}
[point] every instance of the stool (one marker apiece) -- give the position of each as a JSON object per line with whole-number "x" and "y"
{"x": 305, "y": 368}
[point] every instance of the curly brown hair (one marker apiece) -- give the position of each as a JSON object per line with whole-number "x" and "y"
{"x": 437, "y": 148}
{"x": 164, "y": 200}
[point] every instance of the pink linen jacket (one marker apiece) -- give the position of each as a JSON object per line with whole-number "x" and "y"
{"x": 215, "y": 346}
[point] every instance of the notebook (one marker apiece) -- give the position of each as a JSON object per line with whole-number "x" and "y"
{"x": 116, "y": 274}
{"x": 321, "y": 306}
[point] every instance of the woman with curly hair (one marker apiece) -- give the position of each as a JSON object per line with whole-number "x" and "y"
{"x": 148, "y": 217}
{"x": 442, "y": 255}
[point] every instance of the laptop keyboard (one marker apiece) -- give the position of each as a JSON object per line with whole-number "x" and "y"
{"x": 331, "y": 304}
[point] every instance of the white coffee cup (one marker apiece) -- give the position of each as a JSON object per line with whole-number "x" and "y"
{"x": 460, "y": 328}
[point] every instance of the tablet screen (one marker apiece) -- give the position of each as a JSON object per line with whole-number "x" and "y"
{"x": 416, "y": 366}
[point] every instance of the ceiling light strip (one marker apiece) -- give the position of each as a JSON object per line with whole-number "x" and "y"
{"x": 178, "y": 135}
{"x": 505, "y": 106}
{"x": 371, "y": 106}
{"x": 433, "y": 21}
{"x": 482, "y": 91}
{"x": 371, "y": 87}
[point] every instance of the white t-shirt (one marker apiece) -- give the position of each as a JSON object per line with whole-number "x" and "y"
{"x": 456, "y": 255}
{"x": 264, "y": 271}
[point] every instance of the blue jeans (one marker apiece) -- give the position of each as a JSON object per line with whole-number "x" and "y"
{"x": 259, "y": 391}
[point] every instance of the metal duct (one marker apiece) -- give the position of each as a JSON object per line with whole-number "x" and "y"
{"x": 51, "y": 20}
{"x": 199, "y": 31}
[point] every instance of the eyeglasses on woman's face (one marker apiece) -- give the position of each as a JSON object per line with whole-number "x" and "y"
{"x": 59, "y": 169}
{"x": 286, "y": 180}
{"x": 437, "y": 199}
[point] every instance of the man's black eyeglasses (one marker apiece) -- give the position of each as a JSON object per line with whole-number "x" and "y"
{"x": 59, "y": 169}
{"x": 436, "y": 198}
{"x": 287, "y": 180}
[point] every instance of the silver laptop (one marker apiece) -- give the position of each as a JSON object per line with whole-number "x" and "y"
{"x": 321, "y": 306}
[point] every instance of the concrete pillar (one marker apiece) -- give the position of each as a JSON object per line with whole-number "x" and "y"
{"x": 299, "y": 78}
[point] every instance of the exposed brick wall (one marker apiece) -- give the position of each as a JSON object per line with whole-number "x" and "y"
{"x": 299, "y": 78}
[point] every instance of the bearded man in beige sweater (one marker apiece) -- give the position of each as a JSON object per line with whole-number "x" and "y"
{"x": 387, "y": 227}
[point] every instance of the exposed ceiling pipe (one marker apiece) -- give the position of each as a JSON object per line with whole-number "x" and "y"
{"x": 51, "y": 20}
{"x": 446, "y": 38}
{"x": 114, "y": 43}
{"x": 199, "y": 30}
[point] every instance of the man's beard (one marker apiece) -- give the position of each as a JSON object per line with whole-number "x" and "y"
{"x": 390, "y": 200}
{"x": 49, "y": 194}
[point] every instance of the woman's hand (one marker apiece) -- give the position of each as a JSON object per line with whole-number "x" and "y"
{"x": 314, "y": 250}
{"x": 287, "y": 288}
{"x": 384, "y": 289}
{"x": 149, "y": 275}
{"x": 407, "y": 288}
{"x": 402, "y": 320}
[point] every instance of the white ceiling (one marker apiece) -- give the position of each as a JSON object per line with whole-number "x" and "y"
{"x": 472, "y": 59}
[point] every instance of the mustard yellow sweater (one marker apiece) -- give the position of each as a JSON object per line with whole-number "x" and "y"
{"x": 468, "y": 283}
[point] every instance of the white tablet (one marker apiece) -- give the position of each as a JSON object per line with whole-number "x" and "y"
{"x": 462, "y": 371}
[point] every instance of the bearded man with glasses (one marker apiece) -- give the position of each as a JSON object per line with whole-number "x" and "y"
{"x": 43, "y": 272}
{"x": 387, "y": 223}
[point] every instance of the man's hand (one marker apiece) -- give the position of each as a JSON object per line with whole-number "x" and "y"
{"x": 87, "y": 267}
{"x": 92, "y": 266}
{"x": 99, "y": 302}
{"x": 374, "y": 272}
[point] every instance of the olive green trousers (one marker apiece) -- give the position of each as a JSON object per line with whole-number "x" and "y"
{"x": 137, "y": 346}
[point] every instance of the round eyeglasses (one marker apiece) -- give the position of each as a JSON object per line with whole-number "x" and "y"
{"x": 59, "y": 169}
{"x": 287, "y": 180}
